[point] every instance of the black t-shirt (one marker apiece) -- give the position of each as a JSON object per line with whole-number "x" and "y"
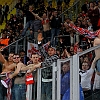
{"x": 29, "y": 16}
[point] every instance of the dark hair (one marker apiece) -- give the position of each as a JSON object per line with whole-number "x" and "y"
{"x": 11, "y": 53}
{"x": 17, "y": 54}
{"x": 36, "y": 53}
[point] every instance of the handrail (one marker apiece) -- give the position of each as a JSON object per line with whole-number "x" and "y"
{"x": 69, "y": 8}
{"x": 71, "y": 12}
{"x": 14, "y": 42}
{"x": 88, "y": 50}
{"x": 12, "y": 5}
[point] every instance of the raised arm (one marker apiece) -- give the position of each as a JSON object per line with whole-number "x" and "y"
{"x": 42, "y": 50}
{"x": 2, "y": 59}
{"x": 36, "y": 16}
{"x": 94, "y": 63}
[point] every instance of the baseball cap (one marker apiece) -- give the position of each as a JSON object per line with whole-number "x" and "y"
{"x": 52, "y": 47}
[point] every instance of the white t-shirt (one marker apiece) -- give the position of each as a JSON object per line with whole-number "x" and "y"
{"x": 96, "y": 82}
{"x": 86, "y": 78}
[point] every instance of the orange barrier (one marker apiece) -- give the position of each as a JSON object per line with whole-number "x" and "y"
{"x": 3, "y": 43}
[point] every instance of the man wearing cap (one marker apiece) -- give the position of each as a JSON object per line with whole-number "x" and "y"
{"x": 49, "y": 57}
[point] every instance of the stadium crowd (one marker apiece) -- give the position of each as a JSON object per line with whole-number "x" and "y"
{"x": 56, "y": 40}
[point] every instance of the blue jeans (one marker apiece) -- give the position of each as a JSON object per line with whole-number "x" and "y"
{"x": 13, "y": 94}
{"x": 20, "y": 91}
{"x": 46, "y": 91}
{"x": 28, "y": 25}
{"x": 54, "y": 32}
{"x": 98, "y": 65}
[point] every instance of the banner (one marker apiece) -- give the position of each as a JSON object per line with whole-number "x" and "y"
{"x": 32, "y": 48}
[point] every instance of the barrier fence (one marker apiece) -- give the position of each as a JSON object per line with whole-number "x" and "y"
{"x": 55, "y": 81}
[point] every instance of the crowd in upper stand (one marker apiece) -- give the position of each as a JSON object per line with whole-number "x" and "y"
{"x": 47, "y": 22}
{"x": 44, "y": 25}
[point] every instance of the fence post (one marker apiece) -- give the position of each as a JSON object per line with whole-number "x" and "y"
{"x": 39, "y": 84}
{"x": 24, "y": 21}
{"x": 71, "y": 79}
{"x": 58, "y": 79}
{"x": 24, "y": 42}
{"x": 16, "y": 47}
{"x": 53, "y": 80}
{"x": 75, "y": 77}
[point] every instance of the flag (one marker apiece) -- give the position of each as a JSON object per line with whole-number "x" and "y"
{"x": 85, "y": 32}
{"x": 32, "y": 48}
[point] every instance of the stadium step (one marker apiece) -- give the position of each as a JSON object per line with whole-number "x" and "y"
{"x": 5, "y": 1}
{"x": 3, "y": 24}
{"x": 13, "y": 10}
{"x": 71, "y": 3}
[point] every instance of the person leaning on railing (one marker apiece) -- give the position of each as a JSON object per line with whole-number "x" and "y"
{"x": 19, "y": 79}
{"x": 33, "y": 70}
{"x": 49, "y": 57}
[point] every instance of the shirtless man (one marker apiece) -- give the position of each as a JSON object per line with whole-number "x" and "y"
{"x": 46, "y": 25}
{"x": 97, "y": 51}
{"x": 19, "y": 81}
{"x": 44, "y": 19}
{"x": 8, "y": 65}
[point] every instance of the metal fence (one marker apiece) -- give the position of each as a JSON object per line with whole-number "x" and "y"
{"x": 72, "y": 12}
{"x": 18, "y": 45}
{"x": 12, "y": 5}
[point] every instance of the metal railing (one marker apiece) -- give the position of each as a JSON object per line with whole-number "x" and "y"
{"x": 74, "y": 66}
{"x": 17, "y": 45}
{"x": 12, "y": 5}
{"x": 74, "y": 78}
{"x": 56, "y": 78}
{"x": 72, "y": 12}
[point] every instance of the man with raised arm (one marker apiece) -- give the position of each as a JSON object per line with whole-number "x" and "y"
{"x": 7, "y": 67}
{"x": 7, "y": 64}
{"x": 49, "y": 58}
{"x": 46, "y": 25}
{"x": 86, "y": 75}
